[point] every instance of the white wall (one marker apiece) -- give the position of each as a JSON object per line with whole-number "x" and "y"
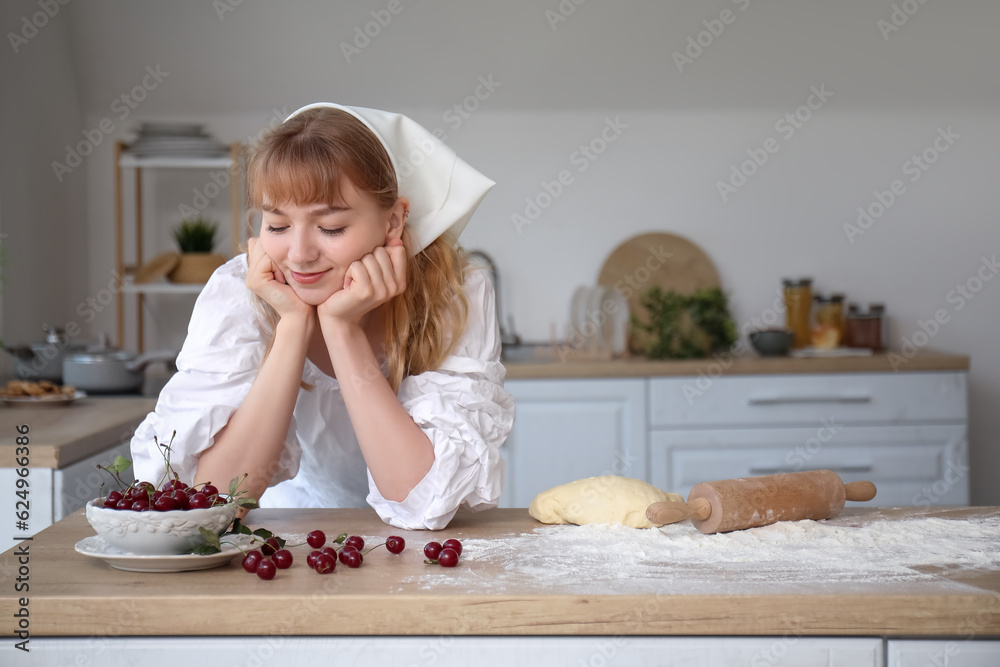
{"x": 684, "y": 132}
{"x": 42, "y": 219}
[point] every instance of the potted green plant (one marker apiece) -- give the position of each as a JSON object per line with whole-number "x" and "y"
{"x": 687, "y": 326}
{"x": 196, "y": 239}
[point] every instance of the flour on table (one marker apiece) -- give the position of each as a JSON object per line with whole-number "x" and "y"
{"x": 677, "y": 559}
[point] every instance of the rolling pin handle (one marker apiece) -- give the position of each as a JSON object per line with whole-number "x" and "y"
{"x": 859, "y": 491}
{"x": 662, "y": 513}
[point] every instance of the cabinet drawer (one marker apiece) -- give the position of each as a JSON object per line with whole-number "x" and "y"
{"x": 805, "y": 399}
{"x": 910, "y": 465}
{"x": 571, "y": 429}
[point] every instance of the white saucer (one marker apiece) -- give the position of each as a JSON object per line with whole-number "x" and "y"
{"x": 95, "y": 547}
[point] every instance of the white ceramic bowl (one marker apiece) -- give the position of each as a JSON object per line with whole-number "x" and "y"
{"x": 157, "y": 533}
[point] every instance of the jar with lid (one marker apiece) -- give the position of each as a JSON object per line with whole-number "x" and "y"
{"x": 865, "y": 329}
{"x": 829, "y": 329}
{"x": 798, "y": 309}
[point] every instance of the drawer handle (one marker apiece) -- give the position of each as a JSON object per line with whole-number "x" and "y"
{"x": 778, "y": 400}
{"x": 838, "y": 470}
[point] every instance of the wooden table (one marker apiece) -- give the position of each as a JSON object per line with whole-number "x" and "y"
{"x": 71, "y": 594}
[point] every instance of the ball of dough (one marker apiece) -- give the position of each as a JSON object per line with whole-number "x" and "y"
{"x": 605, "y": 499}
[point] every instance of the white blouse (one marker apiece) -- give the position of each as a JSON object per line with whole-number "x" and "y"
{"x": 462, "y": 407}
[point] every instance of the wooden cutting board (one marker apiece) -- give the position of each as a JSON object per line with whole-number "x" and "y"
{"x": 668, "y": 261}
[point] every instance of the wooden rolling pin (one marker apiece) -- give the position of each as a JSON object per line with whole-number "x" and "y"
{"x": 735, "y": 504}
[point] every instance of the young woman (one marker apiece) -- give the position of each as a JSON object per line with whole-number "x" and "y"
{"x": 350, "y": 354}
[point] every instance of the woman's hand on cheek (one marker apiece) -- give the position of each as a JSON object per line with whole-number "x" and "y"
{"x": 370, "y": 282}
{"x": 265, "y": 279}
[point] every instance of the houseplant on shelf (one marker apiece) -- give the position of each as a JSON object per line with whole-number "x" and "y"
{"x": 196, "y": 239}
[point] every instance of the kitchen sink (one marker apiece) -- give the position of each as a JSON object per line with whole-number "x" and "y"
{"x": 529, "y": 353}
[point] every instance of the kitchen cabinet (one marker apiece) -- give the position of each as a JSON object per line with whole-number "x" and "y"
{"x": 965, "y": 652}
{"x": 465, "y": 651}
{"x": 65, "y": 444}
{"x": 232, "y": 168}
{"x": 566, "y": 430}
{"x": 905, "y": 431}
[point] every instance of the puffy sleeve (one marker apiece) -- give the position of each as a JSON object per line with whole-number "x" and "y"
{"x": 464, "y": 410}
{"x": 215, "y": 370}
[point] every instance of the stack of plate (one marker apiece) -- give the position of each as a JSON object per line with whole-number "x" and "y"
{"x": 176, "y": 140}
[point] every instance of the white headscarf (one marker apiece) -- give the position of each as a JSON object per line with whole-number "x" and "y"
{"x": 444, "y": 191}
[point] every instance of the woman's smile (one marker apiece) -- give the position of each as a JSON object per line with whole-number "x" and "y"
{"x": 307, "y": 278}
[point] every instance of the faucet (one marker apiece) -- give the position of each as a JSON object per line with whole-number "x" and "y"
{"x": 507, "y": 338}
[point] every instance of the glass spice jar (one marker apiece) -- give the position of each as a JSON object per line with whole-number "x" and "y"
{"x": 829, "y": 329}
{"x": 865, "y": 329}
{"x": 798, "y": 309}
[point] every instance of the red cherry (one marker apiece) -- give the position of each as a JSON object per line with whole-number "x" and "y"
{"x": 395, "y": 544}
{"x": 266, "y": 569}
{"x": 217, "y": 500}
{"x": 454, "y": 545}
{"x": 164, "y": 504}
{"x": 181, "y": 499}
{"x": 316, "y": 539}
{"x": 325, "y": 563}
{"x": 270, "y": 545}
{"x": 353, "y": 558}
{"x": 282, "y": 559}
{"x": 447, "y": 558}
{"x": 124, "y": 504}
{"x": 198, "y": 501}
{"x": 252, "y": 560}
{"x": 311, "y": 558}
{"x": 432, "y": 549}
{"x": 209, "y": 490}
{"x": 344, "y": 551}
{"x": 140, "y": 505}
{"x": 329, "y": 551}
{"x": 355, "y": 541}
{"x": 113, "y": 499}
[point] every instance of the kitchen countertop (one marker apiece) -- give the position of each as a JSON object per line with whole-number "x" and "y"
{"x": 62, "y": 435}
{"x": 73, "y": 595}
{"x": 751, "y": 364}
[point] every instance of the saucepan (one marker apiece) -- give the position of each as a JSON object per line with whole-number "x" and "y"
{"x": 108, "y": 370}
{"x": 43, "y": 360}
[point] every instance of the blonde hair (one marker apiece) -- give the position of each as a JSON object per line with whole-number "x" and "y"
{"x": 302, "y": 161}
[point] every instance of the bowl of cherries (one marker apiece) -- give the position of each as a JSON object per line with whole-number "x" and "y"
{"x": 143, "y": 519}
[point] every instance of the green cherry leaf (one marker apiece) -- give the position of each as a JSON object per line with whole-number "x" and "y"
{"x": 206, "y": 549}
{"x": 245, "y": 530}
{"x": 120, "y": 465}
{"x": 248, "y": 503}
{"x": 340, "y": 538}
{"x": 210, "y": 537}
{"x": 263, "y": 532}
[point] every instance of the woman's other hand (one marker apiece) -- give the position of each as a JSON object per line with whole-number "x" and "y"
{"x": 369, "y": 282}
